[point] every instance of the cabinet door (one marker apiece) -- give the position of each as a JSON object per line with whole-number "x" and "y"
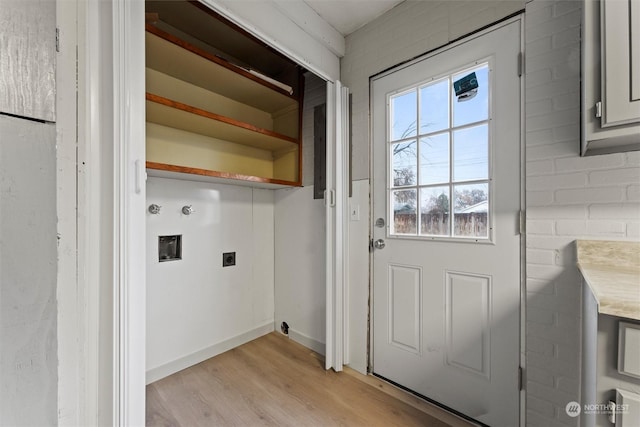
{"x": 27, "y": 58}
{"x": 620, "y": 21}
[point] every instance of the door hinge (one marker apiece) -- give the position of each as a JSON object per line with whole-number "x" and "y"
{"x": 57, "y": 39}
{"x": 520, "y": 378}
{"x": 611, "y": 411}
{"x": 520, "y": 64}
{"x": 598, "y": 109}
{"x": 522, "y": 220}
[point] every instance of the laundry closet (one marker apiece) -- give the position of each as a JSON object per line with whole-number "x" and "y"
{"x": 234, "y": 235}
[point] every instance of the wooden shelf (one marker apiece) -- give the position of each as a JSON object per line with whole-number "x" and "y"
{"x": 177, "y": 115}
{"x": 177, "y": 58}
{"x": 164, "y": 170}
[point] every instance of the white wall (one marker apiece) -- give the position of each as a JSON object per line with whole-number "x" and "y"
{"x": 300, "y": 241}
{"x": 300, "y": 265}
{"x": 195, "y": 307}
{"x": 359, "y": 277}
{"x": 28, "y": 255}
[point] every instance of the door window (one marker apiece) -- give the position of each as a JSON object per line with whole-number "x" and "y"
{"x": 438, "y": 141}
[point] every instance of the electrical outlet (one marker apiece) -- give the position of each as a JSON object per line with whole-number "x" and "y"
{"x": 228, "y": 259}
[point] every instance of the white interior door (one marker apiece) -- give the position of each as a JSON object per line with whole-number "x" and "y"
{"x": 446, "y": 201}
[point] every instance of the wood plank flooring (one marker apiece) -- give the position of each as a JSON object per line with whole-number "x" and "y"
{"x": 273, "y": 381}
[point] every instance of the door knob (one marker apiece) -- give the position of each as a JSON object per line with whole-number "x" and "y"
{"x": 379, "y": 244}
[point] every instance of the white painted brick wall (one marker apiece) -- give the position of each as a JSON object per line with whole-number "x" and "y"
{"x": 568, "y": 197}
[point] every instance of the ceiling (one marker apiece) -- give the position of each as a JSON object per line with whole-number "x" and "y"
{"x": 346, "y": 16}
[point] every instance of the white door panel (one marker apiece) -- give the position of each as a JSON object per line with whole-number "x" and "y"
{"x": 467, "y": 331}
{"x": 446, "y": 182}
{"x": 405, "y": 326}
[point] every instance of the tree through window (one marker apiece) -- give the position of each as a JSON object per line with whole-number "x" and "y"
{"x": 439, "y": 156}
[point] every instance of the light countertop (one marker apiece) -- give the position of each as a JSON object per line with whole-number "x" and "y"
{"x": 612, "y": 271}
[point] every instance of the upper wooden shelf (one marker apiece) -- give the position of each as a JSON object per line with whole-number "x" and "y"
{"x": 177, "y": 115}
{"x": 180, "y": 59}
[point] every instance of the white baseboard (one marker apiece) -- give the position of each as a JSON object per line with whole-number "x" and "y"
{"x": 307, "y": 341}
{"x": 167, "y": 369}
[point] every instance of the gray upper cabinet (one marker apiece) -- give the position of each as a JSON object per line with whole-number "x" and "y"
{"x": 27, "y": 58}
{"x": 610, "y": 76}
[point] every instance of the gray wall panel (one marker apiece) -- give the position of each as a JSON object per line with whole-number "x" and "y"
{"x": 27, "y": 58}
{"x": 28, "y": 266}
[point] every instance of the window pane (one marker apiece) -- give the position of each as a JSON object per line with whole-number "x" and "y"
{"x": 475, "y": 108}
{"x": 404, "y": 211}
{"x": 405, "y": 163}
{"x": 434, "y": 159}
{"x": 471, "y": 210}
{"x": 404, "y": 115}
{"x": 434, "y": 211}
{"x": 434, "y": 107}
{"x": 471, "y": 153}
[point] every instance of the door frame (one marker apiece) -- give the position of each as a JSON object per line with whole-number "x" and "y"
{"x": 430, "y": 54}
{"x": 99, "y": 352}
{"x": 110, "y": 176}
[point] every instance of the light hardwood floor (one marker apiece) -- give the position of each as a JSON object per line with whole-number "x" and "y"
{"x": 275, "y": 381}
